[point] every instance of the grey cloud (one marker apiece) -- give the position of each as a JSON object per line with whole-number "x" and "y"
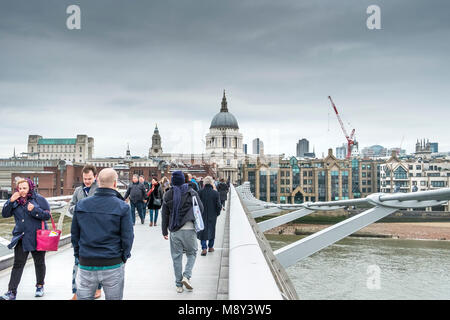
{"x": 278, "y": 60}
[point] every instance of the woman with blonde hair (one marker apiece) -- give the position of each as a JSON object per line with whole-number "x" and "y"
{"x": 29, "y": 210}
{"x": 212, "y": 207}
{"x": 165, "y": 184}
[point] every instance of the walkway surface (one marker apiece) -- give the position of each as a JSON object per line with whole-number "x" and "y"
{"x": 148, "y": 273}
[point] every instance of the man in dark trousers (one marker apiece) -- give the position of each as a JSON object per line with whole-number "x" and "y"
{"x": 222, "y": 188}
{"x": 136, "y": 192}
{"x": 102, "y": 237}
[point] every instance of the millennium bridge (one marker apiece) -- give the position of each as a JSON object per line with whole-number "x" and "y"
{"x": 243, "y": 266}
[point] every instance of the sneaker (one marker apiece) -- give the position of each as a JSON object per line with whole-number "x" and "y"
{"x": 211, "y": 250}
{"x": 39, "y": 291}
{"x": 151, "y": 224}
{"x": 179, "y": 289}
{"x": 203, "y": 252}
{"x": 142, "y": 221}
{"x": 8, "y": 296}
{"x": 186, "y": 283}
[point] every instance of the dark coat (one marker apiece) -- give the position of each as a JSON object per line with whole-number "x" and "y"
{"x": 156, "y": 193}
{"x": 147, "y": 188}
{"x": 102, "y": 227}
{"x": 186, "y": 208}
{"x": 27, "y": 222}
{"x": 212, "y": 208}
{"x": 136, "y": 192}
{"x": 222, "y": 188}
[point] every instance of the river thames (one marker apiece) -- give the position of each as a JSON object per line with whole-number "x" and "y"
{"x": 370, "y": 268}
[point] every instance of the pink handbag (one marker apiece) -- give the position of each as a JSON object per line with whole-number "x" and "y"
{"x": 47, "y": 240}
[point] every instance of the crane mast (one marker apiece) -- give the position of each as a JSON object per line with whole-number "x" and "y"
{"x": 350, "y": 140}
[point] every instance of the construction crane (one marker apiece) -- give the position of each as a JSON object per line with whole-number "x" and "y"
{"x": 350, "y": 140}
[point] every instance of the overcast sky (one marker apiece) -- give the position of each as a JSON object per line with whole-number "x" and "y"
{"x": 137, "y": 63}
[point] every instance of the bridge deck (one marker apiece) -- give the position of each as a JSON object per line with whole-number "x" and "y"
{"x": 148, "y": 273}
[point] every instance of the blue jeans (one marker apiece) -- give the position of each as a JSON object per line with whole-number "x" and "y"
{"x": 151, "y": 215}
{"x": 210, "y": 244}
{"x": 183, "y": 241}
{"x": 140, "y": 207}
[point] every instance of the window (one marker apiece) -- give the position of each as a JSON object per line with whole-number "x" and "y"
{"x": 400, "y": 173}
{"x": 418, "y": 167}
{"x": 438, "y": 184}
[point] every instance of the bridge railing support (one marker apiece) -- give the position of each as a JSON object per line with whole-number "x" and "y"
{"x": 383, "y": 205}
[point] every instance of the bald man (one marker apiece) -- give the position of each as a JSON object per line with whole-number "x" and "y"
{"x": 102, "y": 237}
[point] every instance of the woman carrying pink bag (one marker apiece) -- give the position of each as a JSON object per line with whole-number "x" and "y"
{"x": 30, "y": 210}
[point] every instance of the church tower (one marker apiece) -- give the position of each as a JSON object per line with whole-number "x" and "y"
{"x": 156, "y": 149}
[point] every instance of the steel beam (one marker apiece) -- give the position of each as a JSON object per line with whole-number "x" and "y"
{"x": 264, "y": 212}
{"x": 305, "y": 247}
{"x": 285, "y": 218}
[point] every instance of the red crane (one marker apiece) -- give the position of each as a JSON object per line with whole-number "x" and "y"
{"x": 350, "y": 141}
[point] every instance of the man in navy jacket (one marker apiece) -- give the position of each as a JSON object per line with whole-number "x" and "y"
{"x": 102, "y": 237}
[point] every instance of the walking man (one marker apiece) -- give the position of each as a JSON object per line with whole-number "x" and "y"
{"x": 147, "y": 189}
{"x": 222, "y": 188}
{"x": 87, "y": 189}
{"x": 102, "y": 237}
{"x": 178, "y": 216}
{"x": 136, "y": 192}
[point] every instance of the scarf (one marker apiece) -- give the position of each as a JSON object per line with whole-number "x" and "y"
{"x": 24, "y": 200}
{"x": 175, "y": 216}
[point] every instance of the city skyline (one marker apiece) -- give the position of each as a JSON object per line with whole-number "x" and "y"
{"x": 137, "y": 64}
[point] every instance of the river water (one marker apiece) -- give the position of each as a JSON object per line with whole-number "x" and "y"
{"x": 363, "y": 268}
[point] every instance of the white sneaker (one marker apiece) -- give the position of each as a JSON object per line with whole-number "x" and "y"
{"x": 179, "y": 289}
{"x": 186, "y": 283}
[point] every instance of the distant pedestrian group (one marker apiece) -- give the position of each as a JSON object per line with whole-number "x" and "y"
{"x": 102, "y": 232}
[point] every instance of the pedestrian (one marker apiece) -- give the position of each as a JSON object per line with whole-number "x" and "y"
{"x": 102, "y": 238}
{"x": 191, "y": 182}
{"x": 87, "y": 189}
{"x": 147, "y": 188}
{"x": 200, "y": 183}
{"x": 211, "y": 210}
{"x": 178, "y": 217}
{"x": 136, "y": 194}
{"x": 29, "y": 210}
{"x": 155, "y": 196}
{"x": 222, "y": 187}
{"x": 165, "y": 184}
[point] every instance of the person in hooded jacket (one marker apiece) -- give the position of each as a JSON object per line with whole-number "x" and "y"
{"x": 178, "y": 217}
{"x": 29, "y": 210}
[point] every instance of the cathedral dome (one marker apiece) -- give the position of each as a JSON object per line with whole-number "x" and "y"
{"x": 224, "y": 119}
